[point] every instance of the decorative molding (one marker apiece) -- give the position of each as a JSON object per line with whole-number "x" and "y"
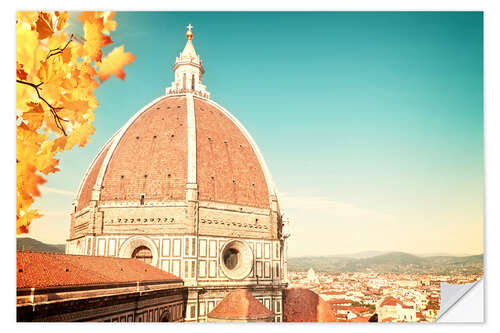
{"x": 145, "y": 220}
{"x": 136, "y": 204}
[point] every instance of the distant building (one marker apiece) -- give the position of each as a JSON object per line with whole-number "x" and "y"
{"x": 311, "y": 276}
{"x": 408, "y": 283}
{"x": 396, "y": 310}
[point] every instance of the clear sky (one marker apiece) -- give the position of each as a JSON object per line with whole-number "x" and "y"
{"x": 371, "y": 123}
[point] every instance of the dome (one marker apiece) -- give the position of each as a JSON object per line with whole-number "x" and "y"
{"x": 240, "y": 305}
{"x": 148, "y": 158}
{"x": 304, "y": 305}
{"x": 183, "y": 187}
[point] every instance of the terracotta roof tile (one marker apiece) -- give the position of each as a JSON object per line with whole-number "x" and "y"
{"x": 360, "y": 319}
{"x": 151, "y": 157}
{"x": 240, "y": 304}
{"x": 228, "y": 169}
{"x": 390, "y": 301}
{"x": 38, "y": 270}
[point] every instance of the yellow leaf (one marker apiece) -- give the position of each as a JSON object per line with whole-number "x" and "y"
{"x": 24, "y": 221}
{"x": 113, "y": 64}
{"x": 64, "y": 76}
{"x": 34, "y": 116}
{"x": 94, "y": 39}
{"x": 62, "y": 19}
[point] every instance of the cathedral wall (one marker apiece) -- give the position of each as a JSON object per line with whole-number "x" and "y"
{"x": 183, "y": 255}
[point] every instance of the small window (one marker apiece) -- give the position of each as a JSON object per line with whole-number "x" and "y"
{"x": 192, "y": 311}
{"x": 142, "y": 199}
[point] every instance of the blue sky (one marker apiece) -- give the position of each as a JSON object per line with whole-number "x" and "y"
{"x": 371, "y": 123}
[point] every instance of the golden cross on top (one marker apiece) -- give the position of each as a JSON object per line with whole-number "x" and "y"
{"x": 189, "y": 27}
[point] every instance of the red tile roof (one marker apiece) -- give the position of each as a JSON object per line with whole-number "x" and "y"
{"x": 240, "y": 304}
{"x": 390, "y": 301}
{"x": 339, "y": 301}
{"x": 39, "y": 270}
{"x": 304, "y": 305}
{"x": 332, "y": 292}
{"x": 360, "y": 309}
{"x": 151, "y": 157}
{"x": 228, "y": 169}
{"x": 359, "y": 319}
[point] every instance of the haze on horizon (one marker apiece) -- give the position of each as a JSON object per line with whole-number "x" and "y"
{"x": 371, "y": 123}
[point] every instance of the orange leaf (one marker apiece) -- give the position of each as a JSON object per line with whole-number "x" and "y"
{"x": 44, "y": 25}
{"x": 113, "y": 64}
{"x": 20, "y": 73}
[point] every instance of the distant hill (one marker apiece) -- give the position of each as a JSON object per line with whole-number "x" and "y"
{"x": 362, "y": 254}
{"x": 30, "y": 244}
{"x": 392, "y": 262}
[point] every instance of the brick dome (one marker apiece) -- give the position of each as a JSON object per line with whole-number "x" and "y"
{"x": 152, "y": 158}
{"x": 304, "y": 305}
{"x": 240, "y": 304}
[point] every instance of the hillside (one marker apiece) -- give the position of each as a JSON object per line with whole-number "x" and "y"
{"x": 30, "y": 244}
{"x": 393, "y": 262}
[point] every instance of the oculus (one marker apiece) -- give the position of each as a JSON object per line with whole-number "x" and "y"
{"x": 236, "y": 259}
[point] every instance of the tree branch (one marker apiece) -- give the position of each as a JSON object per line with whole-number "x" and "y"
{"x": 59, "y": 50}
{"x": 53, "y": 110}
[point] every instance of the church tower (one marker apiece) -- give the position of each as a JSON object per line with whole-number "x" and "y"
{"x": 183, "y": 186}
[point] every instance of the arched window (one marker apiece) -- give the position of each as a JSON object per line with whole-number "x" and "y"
{"x": 192, "y": 83}
{"x": 184, "y": 81}
{"x": 164, "y": 317}
{"x": 143, "y": 253}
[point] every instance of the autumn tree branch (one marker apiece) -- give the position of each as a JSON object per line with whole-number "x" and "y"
{"x": 59, "y": 50}
{"x": 53, "y": 110}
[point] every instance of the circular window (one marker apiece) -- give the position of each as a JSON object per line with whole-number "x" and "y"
{"x": 236, "y": 259}
{"x": 231, "y": 258}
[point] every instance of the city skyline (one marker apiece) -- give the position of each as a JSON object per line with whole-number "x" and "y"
{"x": 371, "y": 123}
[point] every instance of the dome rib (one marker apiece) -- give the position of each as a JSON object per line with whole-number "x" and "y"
{"x": 84, "y": 186}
